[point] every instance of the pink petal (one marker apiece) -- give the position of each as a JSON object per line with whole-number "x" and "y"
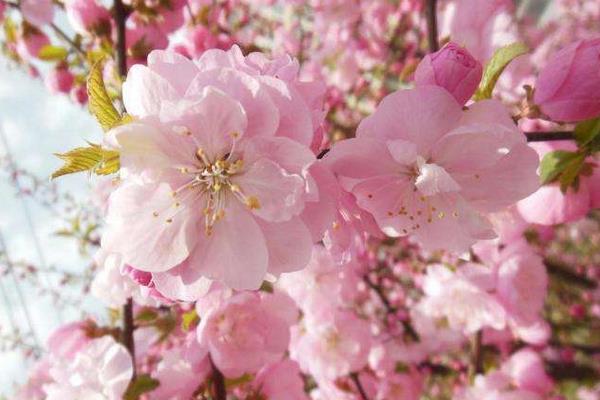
{"x": 148, "y": 242}
{"x": 177, "y": 69}
{"x": 421, "y": 116}
{"x": 182, "y": 283}
{"x": 360, "y": 158}
{"x": 236, "y": 251}
{"x": 144, "y": 91}
{"x": 279, "y": 194}
{"x": 289, "y": 244}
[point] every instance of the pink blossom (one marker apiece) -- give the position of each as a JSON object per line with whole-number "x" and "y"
{"x": 87, "y": 16}
{"x": 281, "y": 381}
{"x": 241, "y": 176}
{"x": 30, "y": 44}
{"x": 102, "y": 369}
{"x": 332, "y": 347}
{"x": 560, "y": 207}
{"x": 68, "y": 340}
{"x": 462, "y": 298}
{"x": 37, "y": 12}
{"x": 454, "y": 69}
{"x": 245, "y": 331}
{"x": 38, "y": 376}
{"x": 568, "y": 88}
{"x": 59, "y": 80}
{"x": 526, "y": 368}
{"x": 406, "y": 166}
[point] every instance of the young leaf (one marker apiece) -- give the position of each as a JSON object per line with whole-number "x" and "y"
{"x": 587, "y": 131}
{"x": 570, "y": 174}
{"x": 93, "y": 158}
{"x": 141, "y": 384}
{"x": 52, "y": 53}
{"x": 496, "y": 65}
{"x": 554, "y": 163}
{"x": 100, "y": 104}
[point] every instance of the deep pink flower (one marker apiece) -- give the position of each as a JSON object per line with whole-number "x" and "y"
{"x": 30, "y": 44}
{"x": 568, "y": 88}
{"x": 425, "y": 168}
{"x": 281, "y": 381}
{"x": 59, "y": 80}
{"x": 453, "y": 68}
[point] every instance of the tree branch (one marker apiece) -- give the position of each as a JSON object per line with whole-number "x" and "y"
{"x": 218, "y": 382}
{"x": 127, "y": 334}
{"x": 359, "y": 386}
{"x": 59, "y": 32}
{"x": 432, "y": 29}
{"x": 476, "y": 366}
{"x": 549, "y": 136}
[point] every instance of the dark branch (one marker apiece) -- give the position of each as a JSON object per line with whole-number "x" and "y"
{"x": 359, "y": 386}
{"x": 59, "y": 32}
{"x": 120, "y": 16}
{"x": 476, "y": 366}
{"x": 219, "y": 390}
{"x": 549, "y": 136}
{"x": 128, "y": 328}
{"x": 432, "y": 29}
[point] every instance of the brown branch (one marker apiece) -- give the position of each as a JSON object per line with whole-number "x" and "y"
{"x": 120, "y": 16}
{"x": 359, "y": 386}
{"x": 476, "y": 366}
{"x": 432, "y": 29}
{"x": 218, "y": 382}
{"x": 549, "y": 136}
{"x": 59, "y": 32}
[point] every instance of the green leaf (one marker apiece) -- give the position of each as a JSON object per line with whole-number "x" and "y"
{"x": 496, "y": 65}
{"x": 570, "y": 174}
{"x": 10, "y": 30}
{"x": 587, "y": 131}
{"x": 93, "y": 158}
{"x": 554, "y": 163}
{"x": 141, "y": 384}
{"x": 52, "y": 53}
{"x": 146, "y": 315}
{"x": 100, "y": 104}
{"x": 189, "y": 318}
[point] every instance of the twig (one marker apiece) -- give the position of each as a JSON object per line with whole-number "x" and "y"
{"x": 359, "y": 386}
{"x": 476, "y": 366}
{"x": 59, "y": 32}
{"x": 391, "y": 309}
{"x": 128, "y": 328}
{"x": 432, "y": 29}
{"x": 549, "y": 136}
{"x": 218, "y": 382}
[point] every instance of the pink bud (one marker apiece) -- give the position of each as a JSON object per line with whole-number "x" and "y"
{"x": 453, "y": 68}
{"x": 59, "y": 80}
{"x": 568, "y": 88}
{"x": 79, "y": 94}
{"x": 30, "y": 44}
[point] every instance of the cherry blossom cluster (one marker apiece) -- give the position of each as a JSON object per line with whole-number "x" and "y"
{"x": 311, "y": 204}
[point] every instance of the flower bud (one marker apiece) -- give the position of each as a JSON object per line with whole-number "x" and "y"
{"x": 453, "y": 68}
{"x": 568, "y": 88}
{"x": 59, "y": 80}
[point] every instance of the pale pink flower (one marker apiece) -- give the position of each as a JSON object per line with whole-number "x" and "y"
{"x": 280, "y": 381}
{"x": 245, "y": 331}
{"x": 407, "y": 167}
{"x": 100, "y": 370}
{"x": 462, "y": 298}
{"x": 549, "y": 205}
{"x": 332, "y": 347}
{"x": 453, "y": 68}
{"x": 322, "y": 286}
{"x": 204, "y": 157}
{"x": 406, "y": 386}
{"x": 181, "y": 371}
{"x": 526, "y": 368}
{"x": 37, "y": 12}
{"x": 37, "y": 378}
{"x": 568, "y": 87}
{"x": 68, "y": 340}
